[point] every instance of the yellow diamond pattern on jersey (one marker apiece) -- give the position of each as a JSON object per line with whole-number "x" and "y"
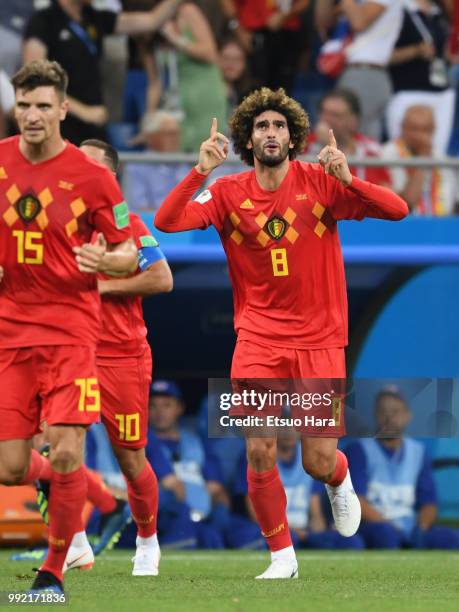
{"x": 261, "y": 219}
{"x": 10, "y": 215}
{"x": 291, "y": 234}
{"x": 290, "y": 215}
{"x": 318, "y": 211}
{"x": 262, "y": 238}
{"x": 320, "y": 229}
{"x": 237, "y": 237}
{"x": 78, "y": 207}
{"x": 45, "y": 197}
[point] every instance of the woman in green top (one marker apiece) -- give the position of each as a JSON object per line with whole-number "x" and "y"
{"x": 194, "y": 74}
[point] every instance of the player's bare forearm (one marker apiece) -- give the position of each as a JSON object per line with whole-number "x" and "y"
{"x": 369, "y": 512}
{"x": 146, "y": 21}
{"x": 156, "y": 279}
{"x": 361, "y": 16}
{"x": 1, "y": 273}
{"x": 427, "y": 516}
{"x": 120, "y": 258}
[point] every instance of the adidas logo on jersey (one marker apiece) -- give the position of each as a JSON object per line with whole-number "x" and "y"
{"x": 247, "y": 204}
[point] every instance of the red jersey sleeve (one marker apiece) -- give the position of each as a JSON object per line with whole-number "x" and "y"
{"x": 363, "y": 199}
{"x": 109, "y": 214}
{"x": 179, "y": 212}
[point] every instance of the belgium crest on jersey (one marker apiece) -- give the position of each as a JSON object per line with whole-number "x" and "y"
{"x": 28, "y": 207}
{"x": 276, "y": 227}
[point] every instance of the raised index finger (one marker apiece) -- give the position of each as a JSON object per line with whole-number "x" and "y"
{"x": 332, "y": 139}
{"x": 213, "y": 128}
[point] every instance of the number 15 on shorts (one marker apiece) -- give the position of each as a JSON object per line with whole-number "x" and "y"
{"x": 89, "y": 394}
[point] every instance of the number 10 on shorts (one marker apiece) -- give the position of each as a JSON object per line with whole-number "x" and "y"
{"x": 129, "y": 426}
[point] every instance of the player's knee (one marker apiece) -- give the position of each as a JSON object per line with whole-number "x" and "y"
{"x": 12, "y": 474}
{"x": 64, "y": 459}
{"x": 262, "y": 457}
{"x": 131, "y": 466}
{"x": 319, "y": 465}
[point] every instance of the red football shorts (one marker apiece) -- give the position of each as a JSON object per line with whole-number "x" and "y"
{"x": 311, "y": 380}
{"x": 56, "y": 384}
{"x": 125, "y": 386}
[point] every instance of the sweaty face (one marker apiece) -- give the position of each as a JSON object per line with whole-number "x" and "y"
{"x": 270, "y": 139}
{"x": 38, "y": 113}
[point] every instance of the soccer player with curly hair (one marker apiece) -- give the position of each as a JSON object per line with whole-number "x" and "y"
{"x": 278, "y": 226}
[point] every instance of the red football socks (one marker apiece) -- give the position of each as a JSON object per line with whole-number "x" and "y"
{"x": 39, "y": 468}
{"x": 340, "y": 470}
{"x": 143, "y": 501}
{"x": 66, "y": 500}
{"x": 270, "y": 502}
{"x": 98, "y": 494}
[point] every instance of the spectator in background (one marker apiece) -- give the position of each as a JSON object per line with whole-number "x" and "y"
{"x": 271, "y": 33}
{"x": 427, "y": 191}
{"x": 71, "y": 32}
{"x": 185, "y": 75}
{"x": 205, "y": 497}
{"x": 393, "y": 478}
{"x": 339, "y": 109}
{"x": 14, "y": 15}
{"x": 145, "y": 186}
{"x": 6, "y": 102}
{"x": 307, "y": 523}
{"x": 419, "y": 71}
{"x": 136, "y": 82}
{"x": 375, "y": 25}
{"x": 235, "y": 72}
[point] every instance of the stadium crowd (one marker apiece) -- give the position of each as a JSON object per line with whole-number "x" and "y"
{"x": 148, "y": 75}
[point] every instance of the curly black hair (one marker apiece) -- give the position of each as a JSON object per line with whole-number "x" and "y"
{"x": 259, "y": 101}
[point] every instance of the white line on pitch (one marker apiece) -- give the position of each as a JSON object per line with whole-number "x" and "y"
{"x": 301, "y": 557}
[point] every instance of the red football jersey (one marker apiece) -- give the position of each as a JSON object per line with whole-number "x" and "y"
{"x": 284, "y": 254}
{"x": 254, "y": 14}
{"x": 45, "y": 210}
{"x": 123, "y": 330}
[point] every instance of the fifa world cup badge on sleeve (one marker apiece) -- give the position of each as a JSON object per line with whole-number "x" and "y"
{"x": 121, "y": 214}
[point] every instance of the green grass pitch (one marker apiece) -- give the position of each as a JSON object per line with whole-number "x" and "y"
{"x": 220, "y": 581}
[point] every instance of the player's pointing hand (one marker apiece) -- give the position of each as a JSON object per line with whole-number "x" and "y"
{"x": 213, "y": 151}
{"x": 334, "y": 161}
{"x": 89, "y": 256}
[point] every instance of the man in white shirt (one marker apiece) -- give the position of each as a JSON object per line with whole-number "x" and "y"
{"x": 375, "y": 25}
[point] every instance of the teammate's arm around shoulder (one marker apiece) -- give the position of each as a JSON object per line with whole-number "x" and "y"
{"x": 111, "y": 259}
{"x": 157, "y": 278}
{"x": 178, "y": 212}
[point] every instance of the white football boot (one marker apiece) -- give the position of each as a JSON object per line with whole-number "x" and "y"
{"x": 345, "y": 507}
{"x": 147, "y": 557}
{"x": 283, "y": 566}
{"x": 80, "y": 554}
